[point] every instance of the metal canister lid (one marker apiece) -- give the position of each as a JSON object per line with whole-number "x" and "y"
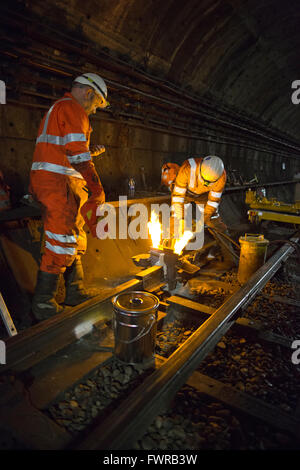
{"x": 135, "y": 302}
{"x": 256, "y": 238}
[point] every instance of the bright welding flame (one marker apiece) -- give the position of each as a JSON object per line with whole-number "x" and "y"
{"x": 155, "y": 231}
{"x": 182, "y": 242}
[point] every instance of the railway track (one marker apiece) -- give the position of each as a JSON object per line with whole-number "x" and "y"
{"x": 62, "y": 387}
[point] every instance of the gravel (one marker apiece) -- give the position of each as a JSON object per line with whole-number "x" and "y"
{"x": 195, "y": 421}
{"x": 82, "y": 403}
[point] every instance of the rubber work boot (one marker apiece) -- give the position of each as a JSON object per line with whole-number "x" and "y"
{"x": 44, "y": 304}
{"x": 76, "y": 293}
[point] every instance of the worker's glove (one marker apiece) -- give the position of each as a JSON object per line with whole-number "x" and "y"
{"x": 207, "y": 218}
{"x": 89, "y": 173}
{"x": 89, "y": 211}
{"x": 96, "y": 150}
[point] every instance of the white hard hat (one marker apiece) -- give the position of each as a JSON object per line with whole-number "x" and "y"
{"x": 211, "y": 168}
{"x": 94, "y": 81}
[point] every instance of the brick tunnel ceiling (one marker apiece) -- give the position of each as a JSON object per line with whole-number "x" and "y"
{"x": 244, "y": 53}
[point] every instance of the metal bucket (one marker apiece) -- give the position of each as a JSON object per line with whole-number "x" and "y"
{"x": 252, "y": 256}
{"x": 134, "y": 326}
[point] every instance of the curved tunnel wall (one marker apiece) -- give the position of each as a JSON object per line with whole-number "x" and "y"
{"x": 235, "y": 60}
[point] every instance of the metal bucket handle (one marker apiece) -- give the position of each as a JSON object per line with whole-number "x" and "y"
{"x": 259, "y": 236}
{"x": 140, "y": 334}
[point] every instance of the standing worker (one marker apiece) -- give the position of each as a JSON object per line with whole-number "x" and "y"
{"x": 62, "y": 168}
{"x": 202, "y": 180}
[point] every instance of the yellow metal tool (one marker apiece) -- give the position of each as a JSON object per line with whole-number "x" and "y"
{"x": 262, "y": 208}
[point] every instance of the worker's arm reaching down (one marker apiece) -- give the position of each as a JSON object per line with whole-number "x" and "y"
{"x": 89, "y": 209}
{"x": 190, "y": 182}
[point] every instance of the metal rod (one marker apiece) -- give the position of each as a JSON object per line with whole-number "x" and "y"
{"x": 7, "y": 320}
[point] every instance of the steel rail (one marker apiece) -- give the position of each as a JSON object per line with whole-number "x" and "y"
{"x": 130, "y": 420}
{"x": 44, "y": 339}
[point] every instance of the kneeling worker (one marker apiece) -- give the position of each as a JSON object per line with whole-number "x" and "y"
{"x": 202, "y": 180}
{"x": 168, "y": 175}
{"x": 61, "y": 175}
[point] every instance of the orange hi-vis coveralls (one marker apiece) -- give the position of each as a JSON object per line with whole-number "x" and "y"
{"x": 189, "y": 187}
{"x": 62, "y": 166}
{"x": 168, "y": 174}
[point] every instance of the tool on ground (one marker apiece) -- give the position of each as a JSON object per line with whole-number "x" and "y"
{"x": 262, "y": 208}
{"x": 7, "y": 320}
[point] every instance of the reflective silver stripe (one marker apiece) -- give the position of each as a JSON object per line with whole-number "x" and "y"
{"x": 217, "y": 195}
{"x": 54, "y": 139}
{"x": 177, "y": 209}
{"x": 80, "y": 157}
{"x": 59, "y": 140}
{"x": 60, "y": 250}
{"x": 200, "y": 207}
{"x": 63, "y": 170}
{"x": 177, "y": 199}
{"x": 193, "y": 166}
{"x": 47, "y": 119}
{"x": 61, "y": 238}
{"x": 213, "y": 204}
{"x": 179, "y": 190}
{"x": 50, "y": 111}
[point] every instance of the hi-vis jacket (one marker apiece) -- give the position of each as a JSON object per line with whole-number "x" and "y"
{"x": 62, "y": 167}
{"x": 188, "y": 184}
{"x": 63, "y": 138}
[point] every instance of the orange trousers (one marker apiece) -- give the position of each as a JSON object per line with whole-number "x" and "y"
{"x": 61, "y": 198}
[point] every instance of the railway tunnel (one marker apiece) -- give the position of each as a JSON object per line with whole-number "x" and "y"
{"x": 184, "y": 81}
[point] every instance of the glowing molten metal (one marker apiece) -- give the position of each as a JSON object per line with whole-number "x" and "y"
{"x": 182, "y": 242}
{"x": 155, "y": 231}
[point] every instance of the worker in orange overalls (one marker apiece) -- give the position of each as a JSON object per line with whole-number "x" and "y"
{"x": 202, "y": 180}
{"x": 62, "y": 174}
{"x": 168, "y": 174}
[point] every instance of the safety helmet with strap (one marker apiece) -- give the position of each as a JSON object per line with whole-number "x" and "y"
{"x": 211, "y": 169}
{"x": 96, "y": 82}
